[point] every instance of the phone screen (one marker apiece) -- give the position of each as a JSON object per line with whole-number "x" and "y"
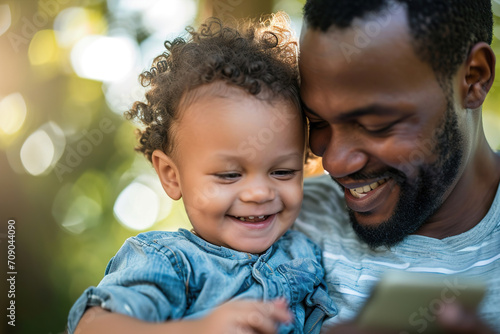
{"x": 410, "y": 302}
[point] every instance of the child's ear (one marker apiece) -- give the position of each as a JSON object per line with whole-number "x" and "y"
{"x": 168, "y": 173}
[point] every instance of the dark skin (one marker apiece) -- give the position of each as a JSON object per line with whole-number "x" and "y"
{"x": 377, "y": 107}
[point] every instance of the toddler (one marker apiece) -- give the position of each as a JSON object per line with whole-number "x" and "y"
{"x": 224, "y": 132}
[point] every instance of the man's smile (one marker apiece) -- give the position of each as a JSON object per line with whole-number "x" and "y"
{"x": 362, "y": 191}
{"x": 366, "y": 197}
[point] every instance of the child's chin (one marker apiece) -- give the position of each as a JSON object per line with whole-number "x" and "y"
{"x": 254, "y": 248}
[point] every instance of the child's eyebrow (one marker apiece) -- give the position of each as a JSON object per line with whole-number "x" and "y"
{"x": 290, "y": 155}
{"x": 226, "y": 156}
{"x": 278, "y": 157}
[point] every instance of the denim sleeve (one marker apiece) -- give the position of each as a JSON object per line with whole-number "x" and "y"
{"x": 142, "y": 281}
{"x": 318, "y": 304}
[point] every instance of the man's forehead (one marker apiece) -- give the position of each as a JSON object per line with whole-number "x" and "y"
{"x": 376, "y": 30}
{"x": 349, "y": 69}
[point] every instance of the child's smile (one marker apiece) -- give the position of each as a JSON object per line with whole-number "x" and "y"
{"x": 252, "y": 219}
{"x": 255, "y": 223}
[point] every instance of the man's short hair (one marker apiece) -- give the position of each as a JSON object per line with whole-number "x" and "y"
{"x": 443, "y": 31}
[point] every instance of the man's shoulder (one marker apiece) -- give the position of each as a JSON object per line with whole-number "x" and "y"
{"x": 324, "y": 212}
{"x": 322, "y": 191}
{"x": 322, "y": 196}
{"x": 324, "y": 182}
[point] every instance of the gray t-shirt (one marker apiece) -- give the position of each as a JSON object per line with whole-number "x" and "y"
{"x": 352, "y": 267}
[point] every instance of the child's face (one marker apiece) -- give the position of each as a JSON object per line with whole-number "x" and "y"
{"x": 240, "y": 168}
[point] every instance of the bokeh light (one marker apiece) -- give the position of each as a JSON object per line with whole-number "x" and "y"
{"x": 128, "y": 6}
{"x": 37, "y": 152}
{"x": 5, "y": 18}
{"x": 42, "y": 149}
{"x": 12, "y": 113}
{"x": 43, "y": 48}
{"x": 104, "y": 58}
{"x": 137, "y": 206}
{"x": 79, "y": 212}
{"x": 167, "y": 17}
{"x": 120, "y": 95}
{"x": 74, "y": 23}
{"x": 80, "y": 205}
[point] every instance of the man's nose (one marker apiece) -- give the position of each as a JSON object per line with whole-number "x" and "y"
{"x": 344, "y": 154}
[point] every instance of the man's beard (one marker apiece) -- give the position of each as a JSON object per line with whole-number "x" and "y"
{"x": 422, "y": 196}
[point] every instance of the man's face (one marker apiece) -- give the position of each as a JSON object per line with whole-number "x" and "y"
{"x": 387, "y": 132}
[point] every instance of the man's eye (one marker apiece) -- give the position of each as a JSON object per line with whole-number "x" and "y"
{"x": 316, "y": 125}
{"x": 379, "y": 130}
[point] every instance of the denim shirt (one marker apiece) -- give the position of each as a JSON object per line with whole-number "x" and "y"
{"x": 159, "y": 276}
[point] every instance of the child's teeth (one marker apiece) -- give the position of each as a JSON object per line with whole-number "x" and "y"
{"x": 250, "y": 218}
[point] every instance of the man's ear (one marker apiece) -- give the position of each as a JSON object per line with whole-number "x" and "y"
{"x": 479, "y": 75}
{"x": 168, "y": 173}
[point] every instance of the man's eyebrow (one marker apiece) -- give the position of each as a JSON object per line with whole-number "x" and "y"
{"x": 368, "y": 110}
{"x": 375, "y": 109}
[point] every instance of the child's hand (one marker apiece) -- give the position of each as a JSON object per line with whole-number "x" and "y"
{"x": 234, "y": 317}
{"x": 246, "y": 317}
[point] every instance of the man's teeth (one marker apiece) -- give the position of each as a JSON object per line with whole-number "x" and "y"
{"x": 361, "y": 191}
{"x": 252, "y": 219}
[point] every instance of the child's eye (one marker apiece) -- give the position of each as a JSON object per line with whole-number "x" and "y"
{"x": 228, "y": 176}
{"x": 284, "y": 173}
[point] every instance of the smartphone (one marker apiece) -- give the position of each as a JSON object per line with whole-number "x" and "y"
{"x": 410, "y": 302}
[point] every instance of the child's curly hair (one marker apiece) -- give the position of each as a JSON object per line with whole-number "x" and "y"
{"x": 256, "y": 56}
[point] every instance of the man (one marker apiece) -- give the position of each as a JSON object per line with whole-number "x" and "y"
{"x": 393, "y": 93}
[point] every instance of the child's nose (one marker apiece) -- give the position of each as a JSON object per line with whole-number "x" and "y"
{"x": 258, "y": 193}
